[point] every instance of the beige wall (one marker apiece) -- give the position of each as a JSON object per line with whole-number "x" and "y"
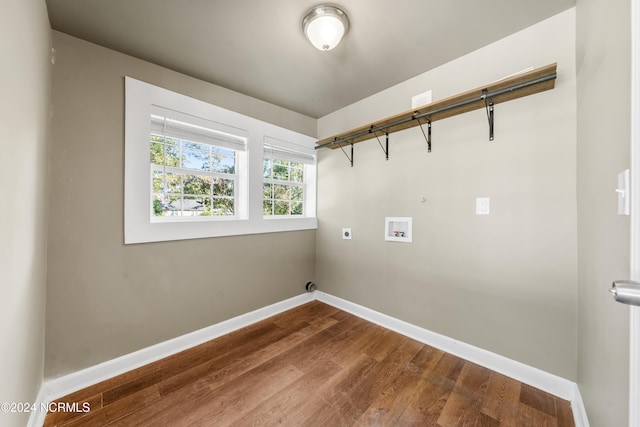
{"x": 504, "y": 282}
{"x": 603, "y": 76}
{"x": 24, "y": 125}
{"x": 105, "y": 299}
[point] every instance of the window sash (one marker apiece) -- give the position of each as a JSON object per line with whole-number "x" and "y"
{"x": 180, "y": 133}
{"x": 290, "y": 201}
{"x": 182, "y": 195}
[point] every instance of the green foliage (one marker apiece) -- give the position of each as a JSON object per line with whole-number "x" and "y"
{"x": 162, "y": 153}
{"x": 157, "y": 207}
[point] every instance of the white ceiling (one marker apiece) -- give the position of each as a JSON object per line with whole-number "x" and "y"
{"x": 256, "y": 47}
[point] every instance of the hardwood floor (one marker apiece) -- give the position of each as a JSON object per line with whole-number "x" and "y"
{"x": 313, "y": 366}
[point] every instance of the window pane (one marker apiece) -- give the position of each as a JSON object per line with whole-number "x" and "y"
{"x": 280, "y": 171}
{"x": 267, "y": 168}
{"x": 222, "y": 187}
{"x": 267, "y": 207}
{"x": 195, "y": 159}
{"x": 173, "y": 183}
{"x": 223, "y": 163}
{"x": 171, "y": 155}
{"x": 296, "y": 172}
{"x": 158, "y": 208}
{"x": 168, "y": 183}
{"x": 207, "y": 206}
{"x": 281, "y": 192}
{"x": 296, "y": 193}
{"x": 158, "y": 182}
{"x": 156, "y": 152}
{"x": 163, "y": 154}
{"x": 266, "y": 191}
{"x": 192, "y": 206}
{"x": 223, "y": 207}
{"x": 196, "y": 184}
{"x": 296, "y": 208}
{"x": 173, "y": 206}
{"x": 281, "y": 208}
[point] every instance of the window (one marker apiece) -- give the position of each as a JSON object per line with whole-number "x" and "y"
{"x": 285, "y": 172}
{"x": 195, "y": 170}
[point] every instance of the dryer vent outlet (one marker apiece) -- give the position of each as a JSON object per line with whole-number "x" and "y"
{"x": 310, "y": 286}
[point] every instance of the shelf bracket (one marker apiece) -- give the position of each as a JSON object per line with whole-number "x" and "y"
{"x": 427, "y": 136}
{"x": 386, "y": 147}
{"x": 345, "y": 153}
{"x": 488, "y": 104}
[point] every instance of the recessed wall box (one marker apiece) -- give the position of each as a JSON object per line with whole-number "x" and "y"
{"x": 398, "y": 229}
{"x": 421, "y": 99}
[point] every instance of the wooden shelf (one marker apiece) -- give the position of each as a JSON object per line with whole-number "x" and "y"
{"x": 529, "y": 83}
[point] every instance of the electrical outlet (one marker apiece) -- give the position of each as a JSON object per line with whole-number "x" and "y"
{"x": 483, "y": 206}
{"x": 346, "y": 233}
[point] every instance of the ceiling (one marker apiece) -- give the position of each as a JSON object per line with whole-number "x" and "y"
{"x": 257, "y": 47}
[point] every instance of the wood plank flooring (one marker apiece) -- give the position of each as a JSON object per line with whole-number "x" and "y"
{"x": 313, "y": 366}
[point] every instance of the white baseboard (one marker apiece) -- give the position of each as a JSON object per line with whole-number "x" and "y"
{"x": 36, "y": 419}
{"x": 535, "y": 377}
{"x": 563, "y": 388}
{"x": 62, "y": 386}
{"x": 579, "y": 410}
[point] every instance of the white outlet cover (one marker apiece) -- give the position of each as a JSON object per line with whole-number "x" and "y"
{"x": 623, "y": 193}
{"x": 346, "y": 233}
{"x": 483, "y": 206}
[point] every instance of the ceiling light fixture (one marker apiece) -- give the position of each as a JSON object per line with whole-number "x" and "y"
{"x": 324, "y": 26}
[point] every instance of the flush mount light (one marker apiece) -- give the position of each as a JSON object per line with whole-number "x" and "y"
{"x": 324, "y": 26}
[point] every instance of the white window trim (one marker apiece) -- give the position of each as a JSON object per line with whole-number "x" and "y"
{"x": 138, "y": 226}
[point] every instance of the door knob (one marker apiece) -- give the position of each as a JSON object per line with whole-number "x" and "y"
{"x": 626, "y": 291}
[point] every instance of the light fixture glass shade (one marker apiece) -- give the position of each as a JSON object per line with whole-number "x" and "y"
{"x": 324, "y": 26}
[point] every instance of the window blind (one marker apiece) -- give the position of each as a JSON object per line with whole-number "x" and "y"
{"x": 172, "y": 128}
{"x": 285, "y": 153}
